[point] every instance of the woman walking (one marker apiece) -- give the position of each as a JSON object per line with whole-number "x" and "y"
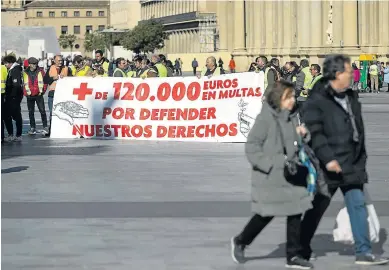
{"x": 270, "y": 144}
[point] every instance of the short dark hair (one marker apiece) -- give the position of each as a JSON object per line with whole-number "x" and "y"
{"x": 118, "y": 60}
{"x": 304, "y": 63}
{"x": 99, "y": 52}
{"x": 10, "y": 59}
{"x": 264, "y": 59}
{"x": 333, "y": 64}
{"x": 77, "y": 59}
{"x": 274, "y": 95}
{"x": 316, "y": 67}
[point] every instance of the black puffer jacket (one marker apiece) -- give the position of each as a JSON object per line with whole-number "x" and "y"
{"x": 332, "y": 134}
{"x": 14, "y": 83}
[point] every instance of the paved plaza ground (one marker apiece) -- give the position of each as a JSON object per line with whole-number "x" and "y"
{"x": 90, "y": 204}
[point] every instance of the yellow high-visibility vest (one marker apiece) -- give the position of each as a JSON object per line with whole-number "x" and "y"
{"x": 266, "y": 83}
{"x": 315, "y": 79}
{"x": 105, "y": 66}
{"x": 131, "y": 74}
{"x": 26, "y": 79}
{"x": 81, "y": 72}
{"x": 162, "y": 70}
{"x": 308, "y": 77}
{"x": 215, "y": 73}
{"x": 4, "y": 75}
{"x": 121, "y": 71}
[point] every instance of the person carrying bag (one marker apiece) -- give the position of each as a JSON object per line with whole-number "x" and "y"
{"x": 272, "y": 150}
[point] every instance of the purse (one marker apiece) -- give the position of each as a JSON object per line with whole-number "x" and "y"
{"x": 294, "y": 172}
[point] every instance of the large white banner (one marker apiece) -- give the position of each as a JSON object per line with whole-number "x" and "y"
{"x": 217, "y": 109}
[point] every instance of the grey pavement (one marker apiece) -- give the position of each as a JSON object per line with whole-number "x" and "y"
{"x": 90, "y": 204}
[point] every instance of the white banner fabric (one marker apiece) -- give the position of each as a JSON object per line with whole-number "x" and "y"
{"x": 217, "y": 109}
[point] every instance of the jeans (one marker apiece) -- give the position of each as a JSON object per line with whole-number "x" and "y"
{"x": 40, "y": 102}
{"x": 257, "y": 223}
{"x": 355, "y": 203}
{"x": 50, "y": 103}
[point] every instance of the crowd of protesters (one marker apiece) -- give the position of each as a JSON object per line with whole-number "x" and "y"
{"x": 34, "y": 77}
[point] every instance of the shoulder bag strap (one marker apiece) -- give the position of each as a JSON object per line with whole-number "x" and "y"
{"x": 281, "y": 136}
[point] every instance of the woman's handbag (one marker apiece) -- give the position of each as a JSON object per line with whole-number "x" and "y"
{"x": 294, "y": 172}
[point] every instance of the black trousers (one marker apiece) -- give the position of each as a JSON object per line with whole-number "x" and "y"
{"x": 40, "y": 102}
{"x": 3, "y": 116}
{"x": 194, "y": 71}
{"x": 257, "y": 223}
{"x": 313, "y": 216}
{"x": 14, "y": 111}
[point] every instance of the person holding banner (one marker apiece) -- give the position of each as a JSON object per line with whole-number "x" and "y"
{"x": 56, "y": 72}
{"x": 159, "y": 66}
{"x": 147, "y": 71}
{"x": 211, "y": 68}
{"x": 80, "y": 67}
{"x": 121, "y": 64}
{"x": 271, "y": 145}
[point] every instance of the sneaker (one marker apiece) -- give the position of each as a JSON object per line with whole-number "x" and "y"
{"x": 32, "y": 131}
{"x": 10, "y": 138}
{"x": 298, "y": 263}
{"x": 45, "y": 131}
{"x": 370, "y": 259}
{"x": 18, "y": 139}
{"x": 313, "y": 257}
{"x": 237, "y": 251}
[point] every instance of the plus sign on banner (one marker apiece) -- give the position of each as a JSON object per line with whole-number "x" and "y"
{"x": 217, "y": 109}
{"x": 82, "y": 91}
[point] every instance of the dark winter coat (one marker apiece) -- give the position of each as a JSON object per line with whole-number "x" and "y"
{"x": 271, "y": 194}
{"x": 14, "y": 83}
{"x": 332, "y": 134}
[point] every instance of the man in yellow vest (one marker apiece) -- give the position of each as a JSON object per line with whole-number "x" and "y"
{"x": 34, "y": 89}
{"x": 374, "y": 79}
{"x": 121, "y": 65}
{"x": 4, "y": 75}
{"x": 270, "y": 74}
{"x": 316, "y": 76}
{"x": 161, "y": 68}
{"x": 101, "y": 61}
{"x": 147, "y": 71}
{"x": 304, "y": 72}
{"x": 211, "y": 69}
{"x": 79, "y": 68}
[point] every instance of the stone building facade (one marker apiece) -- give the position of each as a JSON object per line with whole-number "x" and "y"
{"x": 192, "y": 25}
{"x": 12, "y": 12}
{"x": 69, "y": 17}
{"x": 287, "y": 29}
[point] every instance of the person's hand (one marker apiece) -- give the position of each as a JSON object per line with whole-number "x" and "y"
{"x": 333, "y": 166}
{"x": 56, "y": 77}
{"x": 301, "y": 130}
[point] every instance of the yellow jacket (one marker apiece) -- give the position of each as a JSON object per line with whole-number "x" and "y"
{"x": 4, "y": 75}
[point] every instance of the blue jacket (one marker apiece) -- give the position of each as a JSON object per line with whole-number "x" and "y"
{"x": 386, "y": 75}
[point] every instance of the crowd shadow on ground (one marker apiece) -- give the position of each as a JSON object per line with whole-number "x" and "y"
{"x": 14, "y": 169}
{"x": 323, "y": 244}
{"x": 48, "y": 147}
